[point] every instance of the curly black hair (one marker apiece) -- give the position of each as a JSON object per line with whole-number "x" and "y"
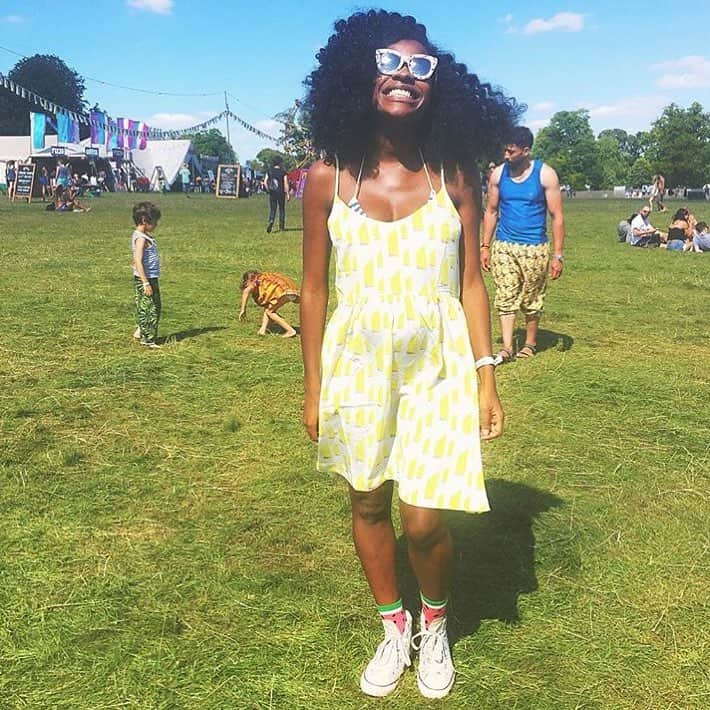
{"x": 468, "y": 119}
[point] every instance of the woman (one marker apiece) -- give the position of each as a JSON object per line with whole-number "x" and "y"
{"x": 390, "y": 388}
{"x": 681, "y": 229}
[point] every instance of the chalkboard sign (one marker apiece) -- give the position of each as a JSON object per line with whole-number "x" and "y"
{"x": 24, "y": 182}
{"x": 57, "y": 150}
{"x": 117, "y": 153}
{"x": 91, "y": 152}
{"x": 228, "y": 177}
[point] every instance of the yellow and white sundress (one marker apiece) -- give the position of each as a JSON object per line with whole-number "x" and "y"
{"x": 399, "y": 397}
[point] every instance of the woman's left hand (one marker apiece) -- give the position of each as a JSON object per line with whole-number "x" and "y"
{"x": 491, "y": 413}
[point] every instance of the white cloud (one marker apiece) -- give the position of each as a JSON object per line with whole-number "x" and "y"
{"x": 506, "y": 19}
{"x": 567, "y": 21}
{"x": 170, "y": 121}
{"x": 543, "y": 106}
{"x": 689, "y": 72}
{"x": 538, "y": 124}
{"x": 630, "y": 106}
{"x": 160, "y": 7}
{"x": 13, "y": 19}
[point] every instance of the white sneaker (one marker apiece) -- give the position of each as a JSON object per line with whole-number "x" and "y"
{"x": 436, "y": 673}
{"x": 383, "y": 672}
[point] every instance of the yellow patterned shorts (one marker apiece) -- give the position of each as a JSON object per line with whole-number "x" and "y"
{"x": 520, "y": 275}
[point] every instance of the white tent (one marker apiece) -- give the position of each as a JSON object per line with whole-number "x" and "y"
{"x": 169, "y": 155}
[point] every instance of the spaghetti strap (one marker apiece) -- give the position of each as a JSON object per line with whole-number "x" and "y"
{"x": 432, "y": 191}
{"x": 337, "y": 176}
{"x": 359, "y": 179}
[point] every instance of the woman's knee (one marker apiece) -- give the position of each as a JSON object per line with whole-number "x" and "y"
{"x": 372, "y": 507}
{"x": 423, "y": 527}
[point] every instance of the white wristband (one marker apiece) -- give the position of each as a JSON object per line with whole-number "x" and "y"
{"x": 486, "y": 360}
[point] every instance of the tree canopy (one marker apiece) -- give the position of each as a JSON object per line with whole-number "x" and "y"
{"x": 213, "y": 143}
{"x": 678, "y": 145}
{"x": 47, "y": 76}
{"x": 265, "y": 158}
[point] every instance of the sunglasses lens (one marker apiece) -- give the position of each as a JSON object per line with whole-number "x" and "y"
{"x": 420, "y": 67}
{"x": 388, "y": 62}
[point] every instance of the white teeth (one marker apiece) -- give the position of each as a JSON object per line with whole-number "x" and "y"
{"x": 403, "y": 93}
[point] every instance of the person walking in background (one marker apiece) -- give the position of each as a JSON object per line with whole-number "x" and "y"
{"x": 276, "y": 184}
{"x": 44, "y": 183}
{"x": 658, "y": 190}
{"x": 400, "y": 385}
{"x": 270, "y": 291}
{"x": 10, "y": 178}
{"x": 146, "y": 273}
{"x": 521, "y": 192}
{"x": 185, "y": 178}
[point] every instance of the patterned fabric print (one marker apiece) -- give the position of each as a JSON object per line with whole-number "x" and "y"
{"x": 275, "y": 289}
{"x": 399, "y": 394}
{"x": 520, "y": 275}
{"x": 147, "y": 310}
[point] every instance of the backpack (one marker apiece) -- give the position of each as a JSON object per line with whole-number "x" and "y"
{"x": 623, "y": 229}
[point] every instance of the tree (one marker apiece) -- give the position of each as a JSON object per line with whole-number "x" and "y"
{"x": 567, "y": 144}
{"x": 640, "y": 173}
{"x": 680, "y": 145}
{"x": 213, "y": 143}
{"x": 615, "y": 165}
{"x": 296, "y": 135}
{"x": 49, "y": 77}
{"x": 265, "y": 158}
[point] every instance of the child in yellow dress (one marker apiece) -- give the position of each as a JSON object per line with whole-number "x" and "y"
{"x": 270, "y": 290}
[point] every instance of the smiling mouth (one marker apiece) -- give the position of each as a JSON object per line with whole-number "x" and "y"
{"x": 401, "y": 92}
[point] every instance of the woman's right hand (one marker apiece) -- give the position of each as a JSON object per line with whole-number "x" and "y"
{"x": 148, "y": 290}
{"x": 486, "y": 259}
{"x": 310, "y": 414}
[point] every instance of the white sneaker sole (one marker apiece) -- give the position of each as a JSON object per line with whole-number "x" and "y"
{"x": 435, "y": 693}
{"x": 376, "y": 691}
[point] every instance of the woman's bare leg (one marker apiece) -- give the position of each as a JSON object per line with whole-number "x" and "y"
{"x": 374, "y": 538}
{"x": 430, "y": 549}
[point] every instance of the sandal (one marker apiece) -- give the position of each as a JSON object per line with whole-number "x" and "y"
{"x": 504, "y": 356}
{"x": 529, "y": 347}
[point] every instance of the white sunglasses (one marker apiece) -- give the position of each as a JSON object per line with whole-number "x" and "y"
{"x": 390, "y": 61}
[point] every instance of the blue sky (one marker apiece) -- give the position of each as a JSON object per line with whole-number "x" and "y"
{"x": 623, "y": 61}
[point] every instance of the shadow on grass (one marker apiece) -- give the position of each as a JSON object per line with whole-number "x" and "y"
{"x": 190, "y": 333}
{"x": 546, "y": 340}
{"x": 494, "y": 558}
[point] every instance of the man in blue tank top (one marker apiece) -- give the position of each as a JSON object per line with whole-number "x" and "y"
{"x": 521, "y": 192}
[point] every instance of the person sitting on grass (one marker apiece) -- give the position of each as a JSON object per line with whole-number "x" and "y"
{"x": 701, "y": 239}
{"x": 643, "y": 233}
{"x": 680, "y": 230}
{"x": 269, "y": 290}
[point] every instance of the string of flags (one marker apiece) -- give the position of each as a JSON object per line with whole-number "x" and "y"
{"x": 116, "y": 133}
{"x": 159, "y": 133}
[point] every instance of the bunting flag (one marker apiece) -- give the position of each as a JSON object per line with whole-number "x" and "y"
{"x": 38, "y": 127}
{"x": 98, "y": 127}
{"x": 144, "y": 131}
{"x": 132, "y": 134}
{"x": 104, "y": 130}
{"x": 63, "y": 128}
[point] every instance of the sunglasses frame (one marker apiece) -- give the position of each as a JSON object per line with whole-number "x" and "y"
{"x": 406, "y": 59}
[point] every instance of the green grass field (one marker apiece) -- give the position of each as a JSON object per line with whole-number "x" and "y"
{"x": 167, "y": 543}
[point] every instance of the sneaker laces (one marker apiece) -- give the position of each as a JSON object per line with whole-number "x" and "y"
{"x": 391, "y": 648}
{"x": 433, "y": 646}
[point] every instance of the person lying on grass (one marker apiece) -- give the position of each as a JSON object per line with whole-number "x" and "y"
{"x": 269, "y": 290}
